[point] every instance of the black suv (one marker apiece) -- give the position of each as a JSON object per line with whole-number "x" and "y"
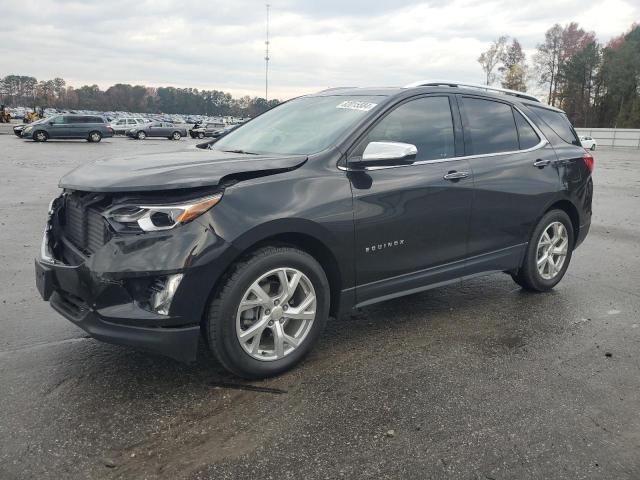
{"x": 327, "y": 202}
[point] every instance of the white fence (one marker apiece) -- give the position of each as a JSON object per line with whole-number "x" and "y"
{"x": 613, "y": 137}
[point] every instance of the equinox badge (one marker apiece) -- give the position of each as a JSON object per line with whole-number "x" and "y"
{"x": 382, "y": 246}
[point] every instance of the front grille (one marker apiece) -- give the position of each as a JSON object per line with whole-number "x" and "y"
{"x": 83, "y": 225}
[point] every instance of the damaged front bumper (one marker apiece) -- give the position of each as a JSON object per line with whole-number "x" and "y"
{"x": 113, "y": 316}
{"x": 147, "y": 291}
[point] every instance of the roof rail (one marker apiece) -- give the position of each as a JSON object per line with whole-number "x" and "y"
{"x": 449, "y": 83}
{"x": 329, "y": 89}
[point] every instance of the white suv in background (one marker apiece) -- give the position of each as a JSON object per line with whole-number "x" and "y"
{"x": 122, "y": 125}
{"x": 589, "y": 143}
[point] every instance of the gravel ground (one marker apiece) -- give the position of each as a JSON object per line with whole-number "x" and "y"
{"x": 474, "y": 380}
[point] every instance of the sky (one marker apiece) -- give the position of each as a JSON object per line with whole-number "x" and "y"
{"x": 220, "y": 45}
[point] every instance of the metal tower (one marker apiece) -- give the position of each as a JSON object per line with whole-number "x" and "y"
{"x": 266, "y": 60}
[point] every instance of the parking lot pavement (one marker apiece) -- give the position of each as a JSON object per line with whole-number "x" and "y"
{"x": 474, "y": 380}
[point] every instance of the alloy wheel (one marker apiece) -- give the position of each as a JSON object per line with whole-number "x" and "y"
{"x": 552, "y": 250}
{"x": 275, "y": 314}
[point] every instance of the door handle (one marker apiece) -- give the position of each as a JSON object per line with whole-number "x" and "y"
{"x": 453, "y": 176}
{"x": 541, "y": 163}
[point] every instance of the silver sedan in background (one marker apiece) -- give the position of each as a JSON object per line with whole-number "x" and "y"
{"x": 158, "y": 129}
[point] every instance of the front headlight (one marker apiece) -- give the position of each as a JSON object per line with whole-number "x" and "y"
{"x": 27, "y": 129}
{"x": 153, "y": 218}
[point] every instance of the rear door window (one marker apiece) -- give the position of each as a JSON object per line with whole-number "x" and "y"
{"x": 490, "y": 127}
{"x": 426, "y": 123}
{"x": 526, "y": 134}
{"x": 558, "y": 122}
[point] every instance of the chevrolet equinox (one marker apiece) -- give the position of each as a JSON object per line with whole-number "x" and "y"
{"x": 327, "y": 202}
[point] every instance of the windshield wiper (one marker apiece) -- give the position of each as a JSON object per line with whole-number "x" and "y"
{"x": 239, "y": 151}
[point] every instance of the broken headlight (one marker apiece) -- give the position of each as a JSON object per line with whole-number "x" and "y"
{"x": 153, "y": 218}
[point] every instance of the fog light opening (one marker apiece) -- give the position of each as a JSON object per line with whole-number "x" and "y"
{"x": 163, "y": 291}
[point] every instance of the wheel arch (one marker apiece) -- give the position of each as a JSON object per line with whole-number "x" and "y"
{"x": 571, "y": 210}
{"x": 304, "y": 240}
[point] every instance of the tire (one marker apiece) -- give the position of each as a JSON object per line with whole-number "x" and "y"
{"x": 529, "y": 276}
{"x": 201, "y": 135}
{"x": 175, "y": 136}
{"x": 141, "y": 135}
{"x": 593, "y": 147}
{"x": 94, "y": 137}
{"x": 40, "y": 136}
{"x": 224, "y": 324}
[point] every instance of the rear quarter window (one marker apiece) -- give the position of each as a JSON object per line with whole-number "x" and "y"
{"x": 558, "y": 122}
{"x": 526, "y": 134}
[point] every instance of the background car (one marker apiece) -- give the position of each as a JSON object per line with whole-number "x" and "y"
{"x": 158, "y": 129}
{"x": 122, "y": 125}
{"x": 589, "y": 143}
{"x": 206, "y": 130}
{"x": 92, "y": 128}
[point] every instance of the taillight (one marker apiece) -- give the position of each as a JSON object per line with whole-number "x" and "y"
{"x": 588, "y": 161}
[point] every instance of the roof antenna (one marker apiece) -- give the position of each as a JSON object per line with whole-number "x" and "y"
{"x": 266, "y": 60}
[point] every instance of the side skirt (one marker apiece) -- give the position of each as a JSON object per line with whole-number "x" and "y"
{"x": 498, "y": 261}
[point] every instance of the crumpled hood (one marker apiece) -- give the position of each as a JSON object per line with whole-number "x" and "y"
{"x": 168, "y": 171}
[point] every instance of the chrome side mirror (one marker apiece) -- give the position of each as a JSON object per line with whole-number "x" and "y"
{"x": 388, "y": 154}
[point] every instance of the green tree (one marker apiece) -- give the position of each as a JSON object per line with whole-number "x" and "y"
{"x": 514, "y": 67}
{"x": 619, "y": 82}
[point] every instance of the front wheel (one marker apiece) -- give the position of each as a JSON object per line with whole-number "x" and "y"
{"x": 548, "y": 253}
{"x": 141, "y": 135}
{"x": 176, "y": 136}
{"x": 40, "y": 136}
{"x": 95, "y": 137}
{"x": 200, "y": 135}
{"x": 269, "y": 312}
{"x": 593, "y": 147}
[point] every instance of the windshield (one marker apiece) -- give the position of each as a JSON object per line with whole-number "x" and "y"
{"x": 302, "y": 126}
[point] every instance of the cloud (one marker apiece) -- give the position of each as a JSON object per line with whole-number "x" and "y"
{"x": 314, "y": 44}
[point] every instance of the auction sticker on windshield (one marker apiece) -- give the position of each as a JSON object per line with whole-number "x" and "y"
{"x": 353, "y": 105}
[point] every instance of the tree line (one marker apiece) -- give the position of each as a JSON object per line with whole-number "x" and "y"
{"x": 27, "y": 91}
{"x": 596, "y": 85}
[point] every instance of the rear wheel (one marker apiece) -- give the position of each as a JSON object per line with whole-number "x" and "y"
{"x": 593, "y": 147}
{"x": 40, "y": 136}
{"x": 200, "y": 135}
{"x": 141, "y": 135}
{"x": 269, "y": 312}
{"x": 95, "y": 137}
{"x": 548, "y": 253}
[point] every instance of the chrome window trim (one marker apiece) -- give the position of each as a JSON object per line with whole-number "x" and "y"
{"x": 543, "y": 143}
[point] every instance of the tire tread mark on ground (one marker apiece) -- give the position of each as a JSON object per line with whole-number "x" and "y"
{"x": 250, "y": 388}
